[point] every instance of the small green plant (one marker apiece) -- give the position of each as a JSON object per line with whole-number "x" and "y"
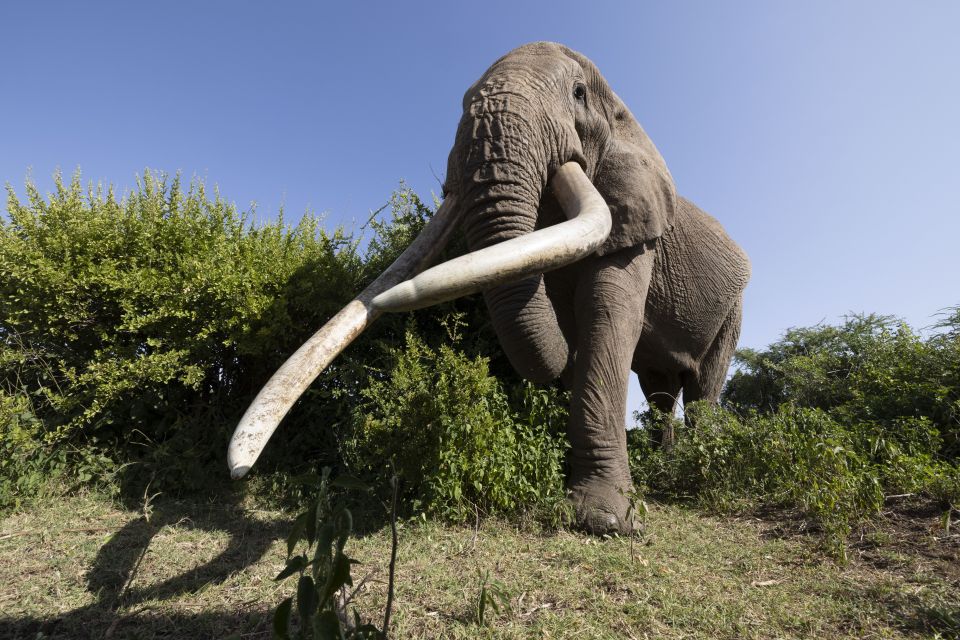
{"x": 324, "y": 570}
{"x": 25, "y": 463}
{"x": 459, "y": 445}
{"x": 491, "y": 594}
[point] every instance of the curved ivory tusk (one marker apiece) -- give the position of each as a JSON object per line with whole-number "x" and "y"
{"x": 588, "y": 225}
{"x": 292, "y": 379}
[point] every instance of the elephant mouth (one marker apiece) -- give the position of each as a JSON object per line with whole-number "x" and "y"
{"x": 587, "y": 226}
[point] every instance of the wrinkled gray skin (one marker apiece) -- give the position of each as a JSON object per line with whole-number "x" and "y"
{"x": 662, "y": 296}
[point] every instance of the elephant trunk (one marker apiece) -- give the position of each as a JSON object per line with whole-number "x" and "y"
{"x": 510, "y": 274}
{"x": 508, "y": 176}
{"x": 527, "y": 327}
{"x": 521, "y": 313}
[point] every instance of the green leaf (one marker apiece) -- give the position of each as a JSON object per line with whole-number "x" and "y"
{"x": 281, "y": 620}
{"x": 482, "y": 605}
{"x": 294, "y": 565}
{"x": 327, "y": 626}
{"x": 307, "y": 600}
{"x": 297, "y": 533}
{"x": 324, "y": 541}
{"x": 339, "y": 576}
{"x": 344, "y": 520}
{"x": 311, "y": 520}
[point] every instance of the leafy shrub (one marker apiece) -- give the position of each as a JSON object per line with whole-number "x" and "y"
{"x": 827, "y": 420}
{"x": 141, "y": 327}
{"x": 794, "y": 457}
{"x": 815, "y": 463}
{"x": 23, "y": 470}
{"x": 713, "y": 462}
{"x": 449, "y": 429}
{"x": 871, "y": 370}
{"x": 896, "y": 393}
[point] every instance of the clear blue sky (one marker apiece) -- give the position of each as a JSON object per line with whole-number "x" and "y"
{"x": 824, "y": 135}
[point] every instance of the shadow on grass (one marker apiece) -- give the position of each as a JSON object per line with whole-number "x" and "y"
{"x": 125, "y": 610}
{"x": 932, "y": 615}
{"x": 141, "y": 623}
{"x": 131, "y": 603}
{"x": 117, "y": 561}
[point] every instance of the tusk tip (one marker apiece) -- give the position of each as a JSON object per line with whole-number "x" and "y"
{"x": 239, "y": 471}
{"x": 379, "y": 302}
{"x": 397, "y": 298}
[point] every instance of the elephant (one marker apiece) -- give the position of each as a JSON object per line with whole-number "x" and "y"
{"x": 590, "y": 264}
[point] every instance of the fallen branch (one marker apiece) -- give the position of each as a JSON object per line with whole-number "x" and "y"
{"x": 899, "y": 495}
{"x": 28, "y": 532}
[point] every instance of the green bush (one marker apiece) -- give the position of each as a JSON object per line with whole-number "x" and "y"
{"x": 815, "y": 463}
{"x": 794, "y": 457}
{"x": 713, "y": 462}
{"x": 448, "y": 428}
{"x": 136, "y": 330}
{"x": 827, "y": 420}
{"x": 871, "y": 370}
{"x": 23, "y": 467}
{"x": 141, "y": 327}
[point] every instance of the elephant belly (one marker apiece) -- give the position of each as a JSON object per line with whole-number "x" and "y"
{"x": 698, "y": 277}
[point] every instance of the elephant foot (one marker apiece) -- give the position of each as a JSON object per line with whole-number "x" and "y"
{"x": 602, "y": 507}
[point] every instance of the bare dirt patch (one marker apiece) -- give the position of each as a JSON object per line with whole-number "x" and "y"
{"x": 910, "y": 538}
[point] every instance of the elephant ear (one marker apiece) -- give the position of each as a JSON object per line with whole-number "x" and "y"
{"x": 631, "y": 174}
{"x": 635, "y": 181}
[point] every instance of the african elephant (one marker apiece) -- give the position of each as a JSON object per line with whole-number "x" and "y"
{"x": 589, "y": 262}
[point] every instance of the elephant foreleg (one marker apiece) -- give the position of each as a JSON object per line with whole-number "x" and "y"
{"x": 609, "y": 317}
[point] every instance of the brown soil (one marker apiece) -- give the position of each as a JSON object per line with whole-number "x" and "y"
{"x": 909, "y": 537}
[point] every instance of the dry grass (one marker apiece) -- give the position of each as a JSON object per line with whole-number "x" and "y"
{"x": 84, "y": 568}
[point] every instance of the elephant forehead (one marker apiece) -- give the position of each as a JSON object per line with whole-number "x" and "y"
{"x": 489, "y": 102}
{"x": 544, "y": 57}
{"x": 526, "y": 76}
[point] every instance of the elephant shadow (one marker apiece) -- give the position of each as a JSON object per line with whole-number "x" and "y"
{"x": 128, "y": 593}
{"x": 114, "y": 574}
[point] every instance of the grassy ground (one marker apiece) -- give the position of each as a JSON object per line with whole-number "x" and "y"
{"x": 81, "y": 567}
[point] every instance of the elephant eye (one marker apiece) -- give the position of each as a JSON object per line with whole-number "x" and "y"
{"x": 580, "y": 92}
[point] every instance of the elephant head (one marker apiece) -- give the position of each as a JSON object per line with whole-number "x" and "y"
{"x": 548, "y": 168}
{"x": 536, "y": 109}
